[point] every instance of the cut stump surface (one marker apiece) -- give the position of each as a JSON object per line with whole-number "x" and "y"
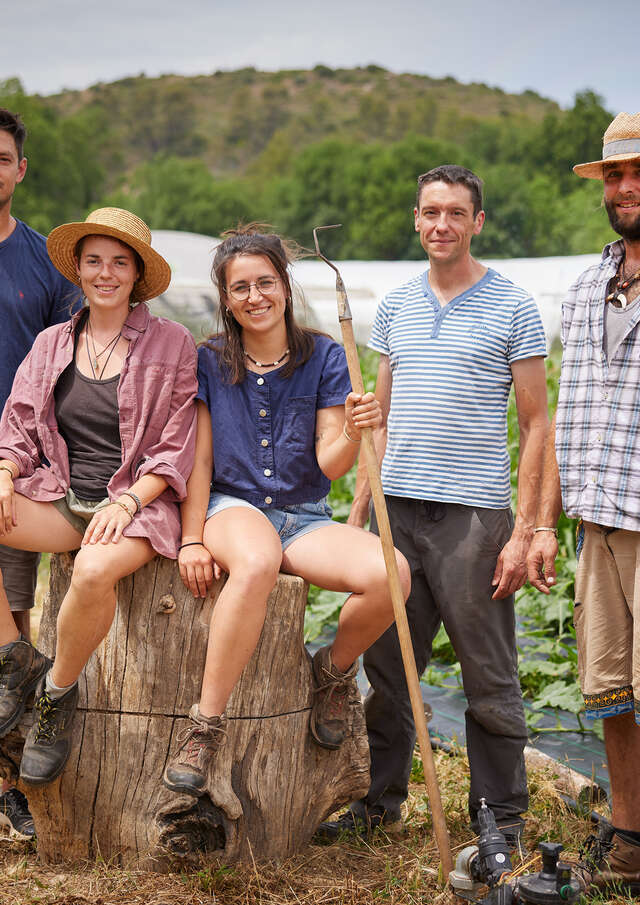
{"x": 271, "y": 784}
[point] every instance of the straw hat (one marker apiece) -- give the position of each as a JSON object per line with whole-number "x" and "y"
{"x": 621, "y": 142}
{"x": 117, "y": 224}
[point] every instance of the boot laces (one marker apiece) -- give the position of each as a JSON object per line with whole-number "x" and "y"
{"x": 195, "y": 739}
{"x": 46, "y": 728}
{"x": 336, "y": 690}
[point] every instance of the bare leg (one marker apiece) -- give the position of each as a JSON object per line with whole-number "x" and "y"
{"x": 89, "y": 605}
{"x": 246, "y": 545}
{"x": 22, "y": 619}
{"x": 622, "y": 741}
{"x": 344, "y": 558}
{"x": 40, "y": 527}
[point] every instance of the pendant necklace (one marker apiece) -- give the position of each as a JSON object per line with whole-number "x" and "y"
{"x": 618, "y": 296}
{"x": 266, "y": 364}
{"x": 95, "y": 360}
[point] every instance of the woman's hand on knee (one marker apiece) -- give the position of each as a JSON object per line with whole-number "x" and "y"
{"x": 107, "y": 525}
{"x": 7, "y": 503}
{"x": 198, "y": 569}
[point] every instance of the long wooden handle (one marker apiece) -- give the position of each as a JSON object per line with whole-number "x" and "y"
{"x": 402, "y": 624}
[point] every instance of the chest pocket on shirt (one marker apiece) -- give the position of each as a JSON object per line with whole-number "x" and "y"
{"x": 300, "y": 422}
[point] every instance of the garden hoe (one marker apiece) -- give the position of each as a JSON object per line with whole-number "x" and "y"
{"x": 397, "y": 598}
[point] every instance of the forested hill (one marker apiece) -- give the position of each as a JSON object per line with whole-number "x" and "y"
{"x": 300, "y": 148}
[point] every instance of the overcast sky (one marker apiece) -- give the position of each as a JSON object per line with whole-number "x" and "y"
{"x": 556, "y": 47}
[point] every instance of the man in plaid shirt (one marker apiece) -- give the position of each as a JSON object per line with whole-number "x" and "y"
{"x": 593, "y": 471}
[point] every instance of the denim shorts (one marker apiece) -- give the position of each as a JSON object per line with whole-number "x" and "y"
{"x": 291, "y": 522}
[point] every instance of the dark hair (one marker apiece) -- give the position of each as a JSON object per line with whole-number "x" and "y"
{"x": 77, "y": 252}
{"x": 252, "y": 239}
{"x": 11, "y": 123}
{"x": 454, "y": 175}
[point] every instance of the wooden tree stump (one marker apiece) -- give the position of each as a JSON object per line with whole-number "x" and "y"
{"x": 270, "y": 786}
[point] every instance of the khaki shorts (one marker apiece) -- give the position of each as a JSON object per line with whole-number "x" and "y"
{"x": 79, "y": 512}
{"x": 607, "y": 620}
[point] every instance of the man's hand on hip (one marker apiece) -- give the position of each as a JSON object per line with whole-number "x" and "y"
{"x": 511, "y": 568}
{"x": 541, "y": 560}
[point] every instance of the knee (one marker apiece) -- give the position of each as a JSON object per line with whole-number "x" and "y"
{"x": 256, "y": 572}
{"x": 499, "y": 714}
{"x": 405, "y": 574}
{"x": 89, "y": 576}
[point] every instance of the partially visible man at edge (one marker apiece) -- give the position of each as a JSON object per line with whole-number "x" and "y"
{"x": 452, "y": 341}
{"x": 595, "y": 436}
{"x": 33, "y": 295}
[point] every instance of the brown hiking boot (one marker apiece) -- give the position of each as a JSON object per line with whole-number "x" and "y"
{"x": 21, "y": 668}
{"x": 187, "y": 770}
{"x": 330, "y": 711}
{"x": 610, "y": 862}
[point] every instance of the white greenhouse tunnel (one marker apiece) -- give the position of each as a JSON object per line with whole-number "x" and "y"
{"x": 192, "y": 298}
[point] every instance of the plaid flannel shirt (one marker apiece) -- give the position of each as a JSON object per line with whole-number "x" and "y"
{"x": 598, "y": 416}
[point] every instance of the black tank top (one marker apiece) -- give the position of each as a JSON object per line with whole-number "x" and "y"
{"x": 87, "y": 415}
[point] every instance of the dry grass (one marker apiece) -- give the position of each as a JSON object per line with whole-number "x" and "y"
{"x": 398, "y": 871}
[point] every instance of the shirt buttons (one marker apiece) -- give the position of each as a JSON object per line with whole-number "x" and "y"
{"x": 264, "y": 442}
{"x": 260, "y": 381}
{"x": 262, "y": 413}
{"x": 267, "y": 472}
{"x": 268, "y": 500}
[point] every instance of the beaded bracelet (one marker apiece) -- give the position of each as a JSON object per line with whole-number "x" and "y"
{"x": 125, "y": 507}
{"x": 191, "y": 543}
{"x": 350, "y": 439}
{"x": 135, "y": 498}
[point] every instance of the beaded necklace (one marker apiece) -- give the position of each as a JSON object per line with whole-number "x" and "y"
{"x": 617, "y": 297}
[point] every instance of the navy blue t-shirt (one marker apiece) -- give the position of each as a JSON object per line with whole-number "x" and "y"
{"x": 264, "y": 428}
{"x": 33, "y": 296}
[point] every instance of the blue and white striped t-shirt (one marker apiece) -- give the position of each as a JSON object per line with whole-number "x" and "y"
{"x": 447, "y": 428}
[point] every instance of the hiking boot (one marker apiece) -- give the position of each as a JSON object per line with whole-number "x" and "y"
{"x": 21, "y": 668}
{"x": 187, "y": 770}
{"x": 610, "y": 861}
{"x": 15, "y": 813}
{"x": 48, "y": 743}
{"x": 350, "y": 824}
{"x": 332, "y": 689}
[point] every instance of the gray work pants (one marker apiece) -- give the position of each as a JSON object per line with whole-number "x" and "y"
{"x": 452, "y": 552}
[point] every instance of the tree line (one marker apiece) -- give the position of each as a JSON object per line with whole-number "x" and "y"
{"x": 535, "y": 205}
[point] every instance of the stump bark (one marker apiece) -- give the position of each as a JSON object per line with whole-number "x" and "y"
{"x": 269, "y": 787}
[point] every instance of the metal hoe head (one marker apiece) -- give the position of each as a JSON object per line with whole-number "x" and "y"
{"x": 344, "y": 311}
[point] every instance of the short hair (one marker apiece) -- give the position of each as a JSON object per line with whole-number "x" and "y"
{"x": 11, "y": 123}
{"x": 452, "y": 174}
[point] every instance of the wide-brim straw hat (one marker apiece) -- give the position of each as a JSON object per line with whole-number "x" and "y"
{"x": 117, "y": 224}
{"x": 621, "y": 141}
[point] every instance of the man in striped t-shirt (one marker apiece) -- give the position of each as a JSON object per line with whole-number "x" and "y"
{"x": 451, "y": 344}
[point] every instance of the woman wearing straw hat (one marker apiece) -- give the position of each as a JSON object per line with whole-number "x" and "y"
{"x": 96, "y": 444}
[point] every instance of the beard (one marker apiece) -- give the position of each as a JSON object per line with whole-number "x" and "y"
{"x": 629, "y": 229}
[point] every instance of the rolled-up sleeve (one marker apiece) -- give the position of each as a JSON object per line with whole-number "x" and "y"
{"x": 172, "y": 456}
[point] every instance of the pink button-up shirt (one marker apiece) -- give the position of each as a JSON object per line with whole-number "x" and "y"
{"x": 157, "y": 416}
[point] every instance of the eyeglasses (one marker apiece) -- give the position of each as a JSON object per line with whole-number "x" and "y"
{"x": 264, "y": 285}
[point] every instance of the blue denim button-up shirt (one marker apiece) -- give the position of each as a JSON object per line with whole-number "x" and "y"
{"x": 264, "y": 428}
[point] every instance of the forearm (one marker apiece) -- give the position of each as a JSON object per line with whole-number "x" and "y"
{"x": 532, "y": 446}
{"x": 337, "y": 455}
{"x": 194, "y": 508}
{"x": 146, "y": 489}
{"x": 550, "y": 504}
{"x": 362, "y": 492}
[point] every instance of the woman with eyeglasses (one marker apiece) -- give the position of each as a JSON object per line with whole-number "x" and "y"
{"x": 277, "y": 421}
